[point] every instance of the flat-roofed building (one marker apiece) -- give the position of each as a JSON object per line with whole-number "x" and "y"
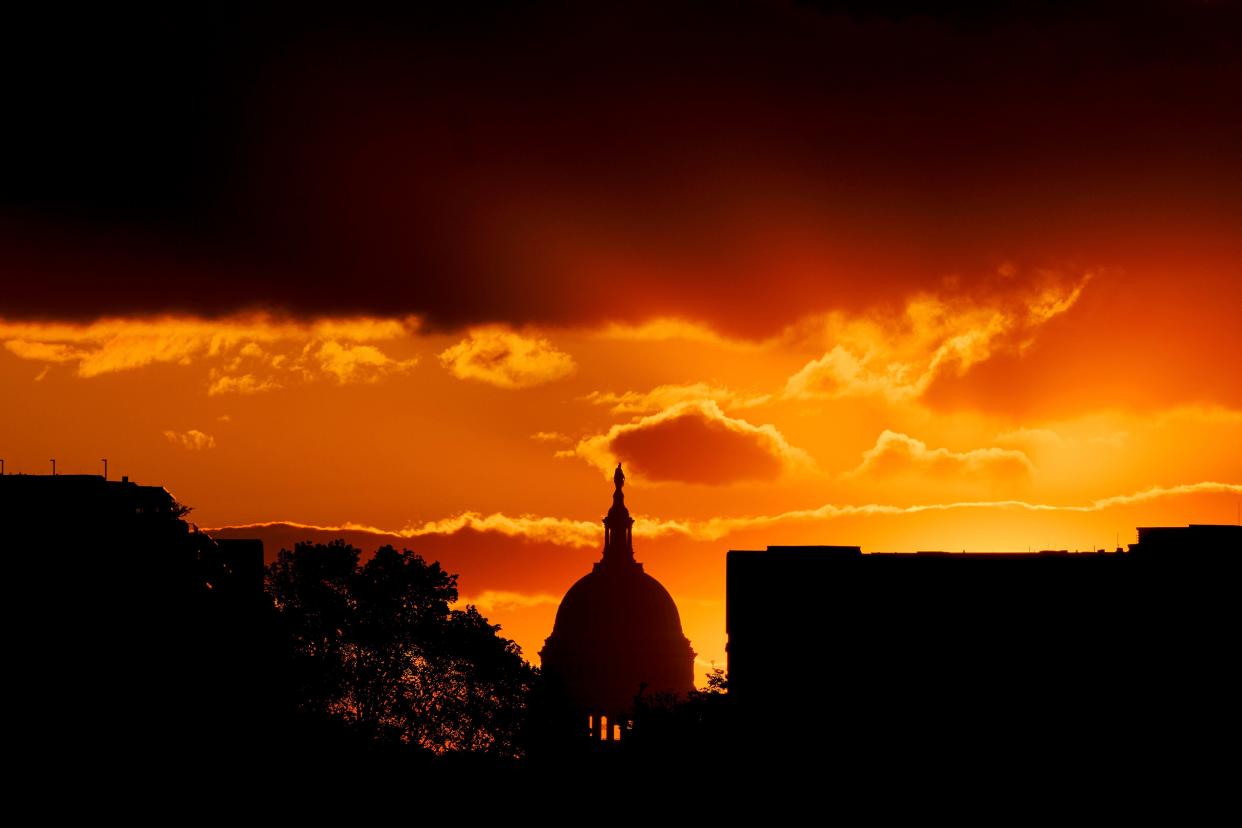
{"x": 979, "y": 652}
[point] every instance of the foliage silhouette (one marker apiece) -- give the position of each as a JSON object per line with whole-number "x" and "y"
{"x": 679, "y": 728}
{"x": 377, "y": 648}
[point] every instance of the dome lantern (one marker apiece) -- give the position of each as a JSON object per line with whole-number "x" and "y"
{"x": 618, "y": 525}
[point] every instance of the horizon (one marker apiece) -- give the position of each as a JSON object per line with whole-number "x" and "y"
{"x": 526, "y": 618}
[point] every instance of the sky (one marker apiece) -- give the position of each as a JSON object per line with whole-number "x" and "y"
{"x": 822, "y": 273}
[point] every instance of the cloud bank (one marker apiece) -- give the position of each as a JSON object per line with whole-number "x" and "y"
{"x": 583, "y": 533}
{"x": 900, "y": 357}
{"x": 245, "y": 354}
{"x": 693, "y": 442}
{"x": 895, "y": 453}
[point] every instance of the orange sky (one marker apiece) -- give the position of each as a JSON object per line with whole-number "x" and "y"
{"x": 908, "y": 281}
{"x": 490, "y": 448}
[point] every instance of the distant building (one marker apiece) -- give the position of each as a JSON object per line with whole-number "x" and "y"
{"x": 124, "y": 527}
{"x": 139, "y": 633}
{"x": 617, "y": 633}
{"x": 78, "y": 498}
{"x": 1194, "y": 540}
{"x": 942, "y": 655}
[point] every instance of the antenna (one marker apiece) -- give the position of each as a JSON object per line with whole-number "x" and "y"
{"x": 1, "y": 467}
{"x": 105, "y": 462}
{"x": 53, "y": 467}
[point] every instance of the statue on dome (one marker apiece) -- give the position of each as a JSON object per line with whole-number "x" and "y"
{"x": 618, "y": 477}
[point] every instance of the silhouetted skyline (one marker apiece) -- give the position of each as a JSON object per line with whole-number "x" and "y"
{"x": 1101, "y": 662}
{"x": 814, "y": 272}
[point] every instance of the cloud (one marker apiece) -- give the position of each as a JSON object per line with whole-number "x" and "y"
{"x": 44, "y": 351}
{"x": 895, "y": 453}
{"x": 245, "y": 354}
{"x": 664, "y": 329}
{"x": 492, "y": 600}
{"x": 241, "y": 384}
{"x": 194, "y": 440}
{"x": 557, "y": 531}
{"x": 694, "y": 442}
{"x": 550, "y": 437}
{"x": 581, "y": 533}
{"x": 358, "y": 363}
{"x": 381, "y": 185}
{"x": 899, "y": 358}
{"x": 717, "y": 528}
{"x": 666, "y": 396}
{"x": 141, "y": 346}
{"x": 843, "y": 373}
{"x": 507, "y": 359}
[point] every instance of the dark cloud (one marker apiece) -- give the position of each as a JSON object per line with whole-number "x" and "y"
{"x": 533, "y": 162}
{"x": 695, "y": 442}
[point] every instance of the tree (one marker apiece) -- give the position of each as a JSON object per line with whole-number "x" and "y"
{"x": 717, "y": 684}
{"x": 673, "y": 728}
{"x": 378, "y": 647}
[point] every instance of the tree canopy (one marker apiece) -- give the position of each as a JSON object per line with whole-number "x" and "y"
{"x": 378, "y": 647}
{"x": 671, "y": 729}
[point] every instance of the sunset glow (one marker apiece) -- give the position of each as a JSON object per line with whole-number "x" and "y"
{"x": 801, "y": 305}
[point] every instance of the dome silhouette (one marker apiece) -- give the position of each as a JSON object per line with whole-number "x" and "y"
{"x": 617, "y": 633}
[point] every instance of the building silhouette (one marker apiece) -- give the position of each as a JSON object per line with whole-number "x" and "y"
{"x": 1193, "y": 541}
{"x": 140, "y": 633}
{"x": 617, "y": 634}
{"x": 989, "y": 660}
{"x": 123, "y": 533}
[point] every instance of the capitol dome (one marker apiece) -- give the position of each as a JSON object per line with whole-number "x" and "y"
{"x": 617, "y": 633}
